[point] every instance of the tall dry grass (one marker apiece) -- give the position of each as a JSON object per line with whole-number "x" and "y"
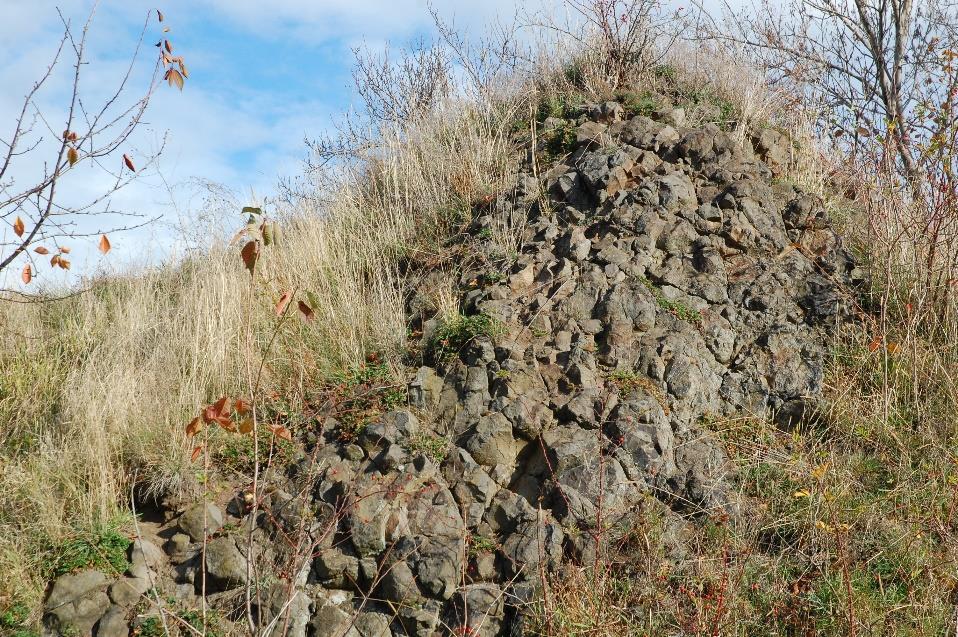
{"x": 96, "y": 389}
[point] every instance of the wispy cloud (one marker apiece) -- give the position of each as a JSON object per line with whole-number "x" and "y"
{"x": 263, "y": 78}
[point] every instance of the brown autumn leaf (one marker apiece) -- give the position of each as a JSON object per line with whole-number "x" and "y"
{"x": 41, "y": 250}
{"x": 18, "y": 227}
{"x": 281, "y": 432}
{"x": 104, "y": 244}
{"x": 222, "y": 405}
{"x": 27, "y": 274}
{"x": 63, "y": 263}
{"x": 159, "y": 15}
{"x": 306, "y": 311}
{"x": 195, "y": 427}
{"x": 242, "y": 407}
{"x": 167, "y": 46}
{"x": 166, "y": 29}
{"x": 176, "y": 79}
{"x": 250, "y": 253}
{"x": 128, "y": 162}
{"x": 246, "y": 426}
{"x": 874, "y": 345}
{"x": 72, "y": 155}
{"x": 239, "y": 235}
{"x": 183, "y": 69}
{"x": 65, "y": 250}
{"x": 864, "y": 132}
{"x": 284, "y": 303}
{"x": 55, "y": 260}
{"x": 196, "y": 453}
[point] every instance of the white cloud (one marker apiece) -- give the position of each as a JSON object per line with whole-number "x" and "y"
{"x": 234, "y": 134}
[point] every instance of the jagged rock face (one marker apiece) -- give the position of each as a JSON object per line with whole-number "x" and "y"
{"x": 662, "y": 278}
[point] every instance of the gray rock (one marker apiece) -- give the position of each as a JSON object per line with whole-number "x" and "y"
{"x": 75, "y": 604}
{"x": 420, "y": 621}
{"x": 398, "y": 584}
{"x": 127, "y": 591}
{"x": 201, "y": 520}
{"x": 333, "y": 615}
{"x": 113, "y": 624}
{"x": 480, "y": 608}
{"x": 144, "y": 553}
{"x": 335, "y": 569}
{"x": 491, "y": 441}
{"x": 225, "y": 565}
{"x": 373, "y": 625}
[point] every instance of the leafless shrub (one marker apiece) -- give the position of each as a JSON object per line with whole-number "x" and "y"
{"x": 876, "y": 68}
{"x": 94, "y": 131}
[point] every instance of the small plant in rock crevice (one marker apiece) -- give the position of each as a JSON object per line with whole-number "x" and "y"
{"x": 455, "y": 333}
{"x": 678, "y": 309}
{"x": 436, "y": 448}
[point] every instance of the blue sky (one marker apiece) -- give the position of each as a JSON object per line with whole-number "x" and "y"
{"x": 264, "y": 76}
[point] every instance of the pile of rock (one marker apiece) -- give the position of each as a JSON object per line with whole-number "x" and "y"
{"x": 663, "y": 277}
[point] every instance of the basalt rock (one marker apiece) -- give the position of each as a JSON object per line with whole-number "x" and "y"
{"x": 667, "y": 280}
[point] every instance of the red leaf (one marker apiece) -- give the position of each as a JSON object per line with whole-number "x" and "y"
{"x": 18, "y": 227}
{"x": 104, "y": 244}
{"x": 306, "y": 311}
{"x": 284, "y": 303}
{"x": 27, "y": 274}
{"x": 195, "y": 426}
{"x": 196, "y": 453}
{"x": 128, "y": 162}
{"x": 242, "y": 407}
{"x": 281, "y": 432}
{"x": 874, "y": 345}
{"x": 250, "y": 254}
{"x": 222, "y": 405}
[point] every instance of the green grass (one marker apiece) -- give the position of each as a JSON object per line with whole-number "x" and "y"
{"x": 677, "y": 309}
{"x": 644, "y": 104}
{"x": 454, "y": 334}
{"x": 14, "y": 621}
{"x": 103, "y": 549}
{"x": 433, "y": 446}
{"x": 560, "y": 141}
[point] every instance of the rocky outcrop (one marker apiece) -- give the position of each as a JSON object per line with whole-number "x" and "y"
{"x": 663, "y": 277}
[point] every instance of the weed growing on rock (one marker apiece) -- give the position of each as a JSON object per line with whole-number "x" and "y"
{"x": 436, "y": 448}
{"x": 678, "y": 309}
{"x": 103, "y": 549}
{"x": 454, "y": 334}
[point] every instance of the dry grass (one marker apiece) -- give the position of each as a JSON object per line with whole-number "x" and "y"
{"x": 96, "y": 390}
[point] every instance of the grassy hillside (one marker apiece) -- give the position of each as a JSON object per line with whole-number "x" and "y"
{"x": 851, "y": 521}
